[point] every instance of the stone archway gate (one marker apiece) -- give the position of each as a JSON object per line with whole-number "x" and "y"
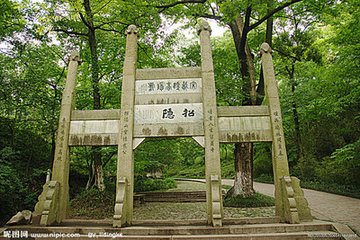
{"x": 170, "y": 102}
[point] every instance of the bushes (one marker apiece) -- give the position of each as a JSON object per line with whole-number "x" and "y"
{"x": 256, "y": 200}
{"x": 342, "y": 167}
{"x": 143, "y": 184}
{"x": 11, "y": 192}
{"x": 93, "y": 203}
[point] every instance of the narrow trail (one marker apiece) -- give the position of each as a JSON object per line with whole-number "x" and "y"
{"x": 324, "y": 206}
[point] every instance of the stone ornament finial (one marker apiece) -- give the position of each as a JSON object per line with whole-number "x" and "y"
{"x": 75, "y": 56}
{"x": 203, "y": 26}
{"x": 265, "y": 48}
{"x": 132, "y": 29}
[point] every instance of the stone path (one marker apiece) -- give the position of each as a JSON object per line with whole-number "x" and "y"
{"x": 324, "y": 206}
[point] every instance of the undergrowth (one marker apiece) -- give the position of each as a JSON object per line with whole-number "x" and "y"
{"x": 256, "y": 200}
{"x": 344, "y": 190}
{"x": 93, "y": 203}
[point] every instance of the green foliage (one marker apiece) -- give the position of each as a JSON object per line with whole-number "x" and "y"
{"x": 343, "y": 166}
{"x": 143, "y": 184}
{"x": 11, "y": 189}
{"x": 264, "y": 178}
{"x": 180, "y": 157}
{"x": 22, "y": 168}
{"x": 195, "y": 171}
{"x": 94, "y": 203}
{"x": 155, "y": 156}
{"x": 10, "y": 18}
{"x": 262, "y": 160}
{"x": 256, "y": 200}
{"x": 336, "y": 188}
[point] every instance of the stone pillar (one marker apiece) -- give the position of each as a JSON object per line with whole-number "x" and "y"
{"x": 211, "y": 131}
{"x": 279, "y": 155}
{"x": 61, "y": 159}
{"x": 125, "y": 165}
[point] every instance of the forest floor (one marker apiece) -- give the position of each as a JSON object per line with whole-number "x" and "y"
{"x": 178, "y": 211}
{"x": 164, "y": 210}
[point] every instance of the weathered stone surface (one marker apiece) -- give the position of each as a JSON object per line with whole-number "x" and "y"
{"x": 301, "y": 202}
{"x": 279, "y": 154}
{"x": 21, "y": 218}
{"x": 61, "y": 158}
{"x": 125, "y": 164}
{"x": 50, "y": 213}
{"x": 168, "y": 73}
{"x": 171, "y": 102}
{"x": 211, "y": 129}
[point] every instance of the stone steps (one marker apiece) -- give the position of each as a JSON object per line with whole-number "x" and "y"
{"x": 184, "y": 196}
{"x": 192, "y": 230}
{"x": 273, "y": 236}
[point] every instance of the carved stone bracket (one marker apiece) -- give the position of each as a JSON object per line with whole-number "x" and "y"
{"x": 216, "y": 201}
{"x": 120, "y": 211}
{"x": 301, "y": 202}
{"x": 290, "y": 209}
{"x": 50, "y": 207}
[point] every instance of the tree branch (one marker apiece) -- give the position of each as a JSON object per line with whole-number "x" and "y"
{"x": 84, "y": 20}
{"x": 108, "y": 23}
{"x": 110, "y": 30}
{"x": 69, "y": 32}
{"x": 208, "y": 16}
{"x": 165, "y": 7}
{"x": 271, "y": 13}
{"x": 287, "y": 55}
{"x": 102, "y": 7}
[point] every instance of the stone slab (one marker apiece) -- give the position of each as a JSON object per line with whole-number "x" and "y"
{"x": 166, "y": 73}
{"x": 168, "y": 113}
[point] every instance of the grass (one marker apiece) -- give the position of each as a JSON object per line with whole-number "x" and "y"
{"x": 254, "y": 201}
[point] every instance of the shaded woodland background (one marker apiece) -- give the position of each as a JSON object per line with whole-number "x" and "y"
{"x": 316, "y": 47}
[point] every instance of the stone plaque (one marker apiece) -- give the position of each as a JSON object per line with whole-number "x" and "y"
{"x": 168, "y": 113}
{"x": 168, "y": 86}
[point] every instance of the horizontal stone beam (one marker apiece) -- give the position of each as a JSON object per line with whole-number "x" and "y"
{"x": 109, "y": 114}
{"x": 168, "y": 73}
{"x": 243, "y": 111}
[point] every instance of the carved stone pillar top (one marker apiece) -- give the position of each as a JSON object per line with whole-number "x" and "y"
{"x": 74, "y": 56}
{"x": 265, "y": 48}
{"x": 203, "y": 26}
{"x": 132, "y": 29}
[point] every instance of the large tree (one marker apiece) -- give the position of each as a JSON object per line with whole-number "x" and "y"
{"x": 98, "y": 28}
{"x": 242, "y": 17}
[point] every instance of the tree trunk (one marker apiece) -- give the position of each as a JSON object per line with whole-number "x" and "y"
{"x": 243, "y": 152}
{"x": 243, "y": 184}
{"x": 97, "y": 168}
{"x": 297, "y": 134}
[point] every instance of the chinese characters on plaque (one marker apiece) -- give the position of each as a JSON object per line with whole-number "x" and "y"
{"x": 168, "y": 113}
{"x": 169, "y": 86}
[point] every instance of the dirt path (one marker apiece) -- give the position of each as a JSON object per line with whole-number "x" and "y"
{"x": 324, "y": 206}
